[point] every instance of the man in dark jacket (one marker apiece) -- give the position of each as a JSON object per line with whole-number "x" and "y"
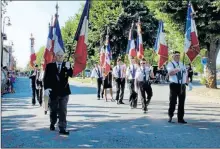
{"x": 33, "y": 84}
{"x": 57, "y": 88}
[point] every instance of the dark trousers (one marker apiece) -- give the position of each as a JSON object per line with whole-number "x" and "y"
{"x": 190, "y": 78}
{"x": 39, "y": 92}
{"x": 145, "y": 87}
{"x": 58, "y": 106}
{"x": 120, "y": 87}
{"x": 175, "y": 91}
{"x": 131, "y": 89}
{"x": 34, "y": 91}
{"x": 99, "y": 84}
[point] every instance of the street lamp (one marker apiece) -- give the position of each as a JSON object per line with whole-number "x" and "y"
{"x": 8, "y": 24}
{"x": 4, "y": 35}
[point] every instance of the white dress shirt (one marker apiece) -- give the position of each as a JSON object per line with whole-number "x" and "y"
{"x": 173, "y": 79}
{"x": 95, "y": 72}
{"x": 118, "y": 68}
{"x": 139, "y": 76}
{"x": 132, "y": 69}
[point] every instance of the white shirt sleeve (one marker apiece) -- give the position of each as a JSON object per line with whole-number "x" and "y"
{"x": 128, "y": 72}
{"x": 114, "y": 72}
{"x": 170, "y": 67}
{"x": 93, "y": 74}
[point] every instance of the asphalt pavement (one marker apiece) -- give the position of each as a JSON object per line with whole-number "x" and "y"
{"x": 98, "y": 124}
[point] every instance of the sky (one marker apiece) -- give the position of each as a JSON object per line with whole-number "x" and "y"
{"x": 33, "y": 17}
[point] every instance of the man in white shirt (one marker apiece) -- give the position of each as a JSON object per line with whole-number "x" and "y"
{"x": 178, "y": 78}
{"x": 130, "y": 74}
{"x": 97, "y": 73}
{"x": 119, "y": 72}
{"x": 39, "y": 84}
{"x": 143, "y": 74}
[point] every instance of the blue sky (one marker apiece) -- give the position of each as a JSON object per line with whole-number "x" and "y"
{"x": 33, "y": 17}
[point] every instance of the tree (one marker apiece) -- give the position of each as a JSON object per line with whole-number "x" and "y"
{"x": 39, "y": 56}
{"x": 118, "y": 16}
{"x": 208, "y": 24}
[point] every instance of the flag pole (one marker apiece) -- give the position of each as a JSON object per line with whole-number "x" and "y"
{"x": 181, "y": 89}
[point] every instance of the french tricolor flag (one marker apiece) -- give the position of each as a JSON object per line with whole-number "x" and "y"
{"x": 107, "y": 64}
{"x": 140, "y": 48}
{"x": 48, "y": 52}
{"x": 102, "y": 56}
{"x": 81, "y": 37}
{"x": 57, "y": 42}
{"x": 33, "y": 55}
{"x": 191, "y": 45}
{"x": 160, "y": 46}
{"x": 131, "y": 45}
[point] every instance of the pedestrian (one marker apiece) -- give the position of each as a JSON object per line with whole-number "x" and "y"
{"x": 142, "y": 77}
{"x": 107, "y": 84}
{"x": 39, "y": 84}
{"x": 178, "y": 78}
{"x": 130, "y": 74}
{"x": 97, "y": 73}
{"x": 56, "y": 86}
{"x": 119, "y": 72}
{"x": 190, "y": 76}
{"x": 33, "y": 84}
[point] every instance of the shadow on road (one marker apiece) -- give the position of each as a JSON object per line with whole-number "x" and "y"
{"x": 141, "y": 132}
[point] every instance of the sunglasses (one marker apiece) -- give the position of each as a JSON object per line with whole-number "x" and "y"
{"x": 143, "y": 63}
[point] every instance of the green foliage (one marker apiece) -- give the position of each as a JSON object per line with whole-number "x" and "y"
{"x": 203, "y": 80}
{"x": 207, "y": 16}
{"x": 40, "y": 55}
{"x": 118, "y": 16}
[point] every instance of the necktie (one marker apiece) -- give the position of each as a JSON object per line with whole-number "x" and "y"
{"x": 59, "y": 67}
{"x": 98, "y": 73}
{"x": 179, "y": 77}
{"x": 119, "y": 72}
{"x": 133, "y": 71}
{"x": 144, "y": 74}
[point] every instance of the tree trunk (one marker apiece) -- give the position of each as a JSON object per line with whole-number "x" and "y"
{"x": 212, "y": 52}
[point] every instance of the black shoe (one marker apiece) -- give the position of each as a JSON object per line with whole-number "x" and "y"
{"x": 52, "y": 128}
{"x": 170, "y": 119}
{"x": 121, "y": 102}
{"x": 182, "y": 121}
{"x": 45, "y": 112}
{"x": 64, "y": 132}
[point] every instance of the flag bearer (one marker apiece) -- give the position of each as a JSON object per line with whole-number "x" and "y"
{"x": 178, "y": 78}
{"x": 119, "y": 72}
{"x": 57, "y": 88}
{"x": 142, "y": 77}
{"x": 130, "y": 73}
{"x": 97, "y": 73}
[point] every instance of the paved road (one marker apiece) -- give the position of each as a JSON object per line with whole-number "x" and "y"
{"x": 99, "y": 124}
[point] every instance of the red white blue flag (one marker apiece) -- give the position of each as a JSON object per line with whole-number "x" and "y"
{"x": 102, "y": 56}
{"x": 108, "y": 56}
{"x": 33, "y": 55}
{"x": 191, "y": 44}
{"x": 131, "y": 44}
{"x": 48, "y": 52}
{"x": 81, "y": 37}
{"x": 140, "y": 48}
{"x": 160, "y": 46}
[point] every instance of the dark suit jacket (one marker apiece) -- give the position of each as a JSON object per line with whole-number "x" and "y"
{"x": 56, "y": 81}
{"x": 33, "y": 78}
